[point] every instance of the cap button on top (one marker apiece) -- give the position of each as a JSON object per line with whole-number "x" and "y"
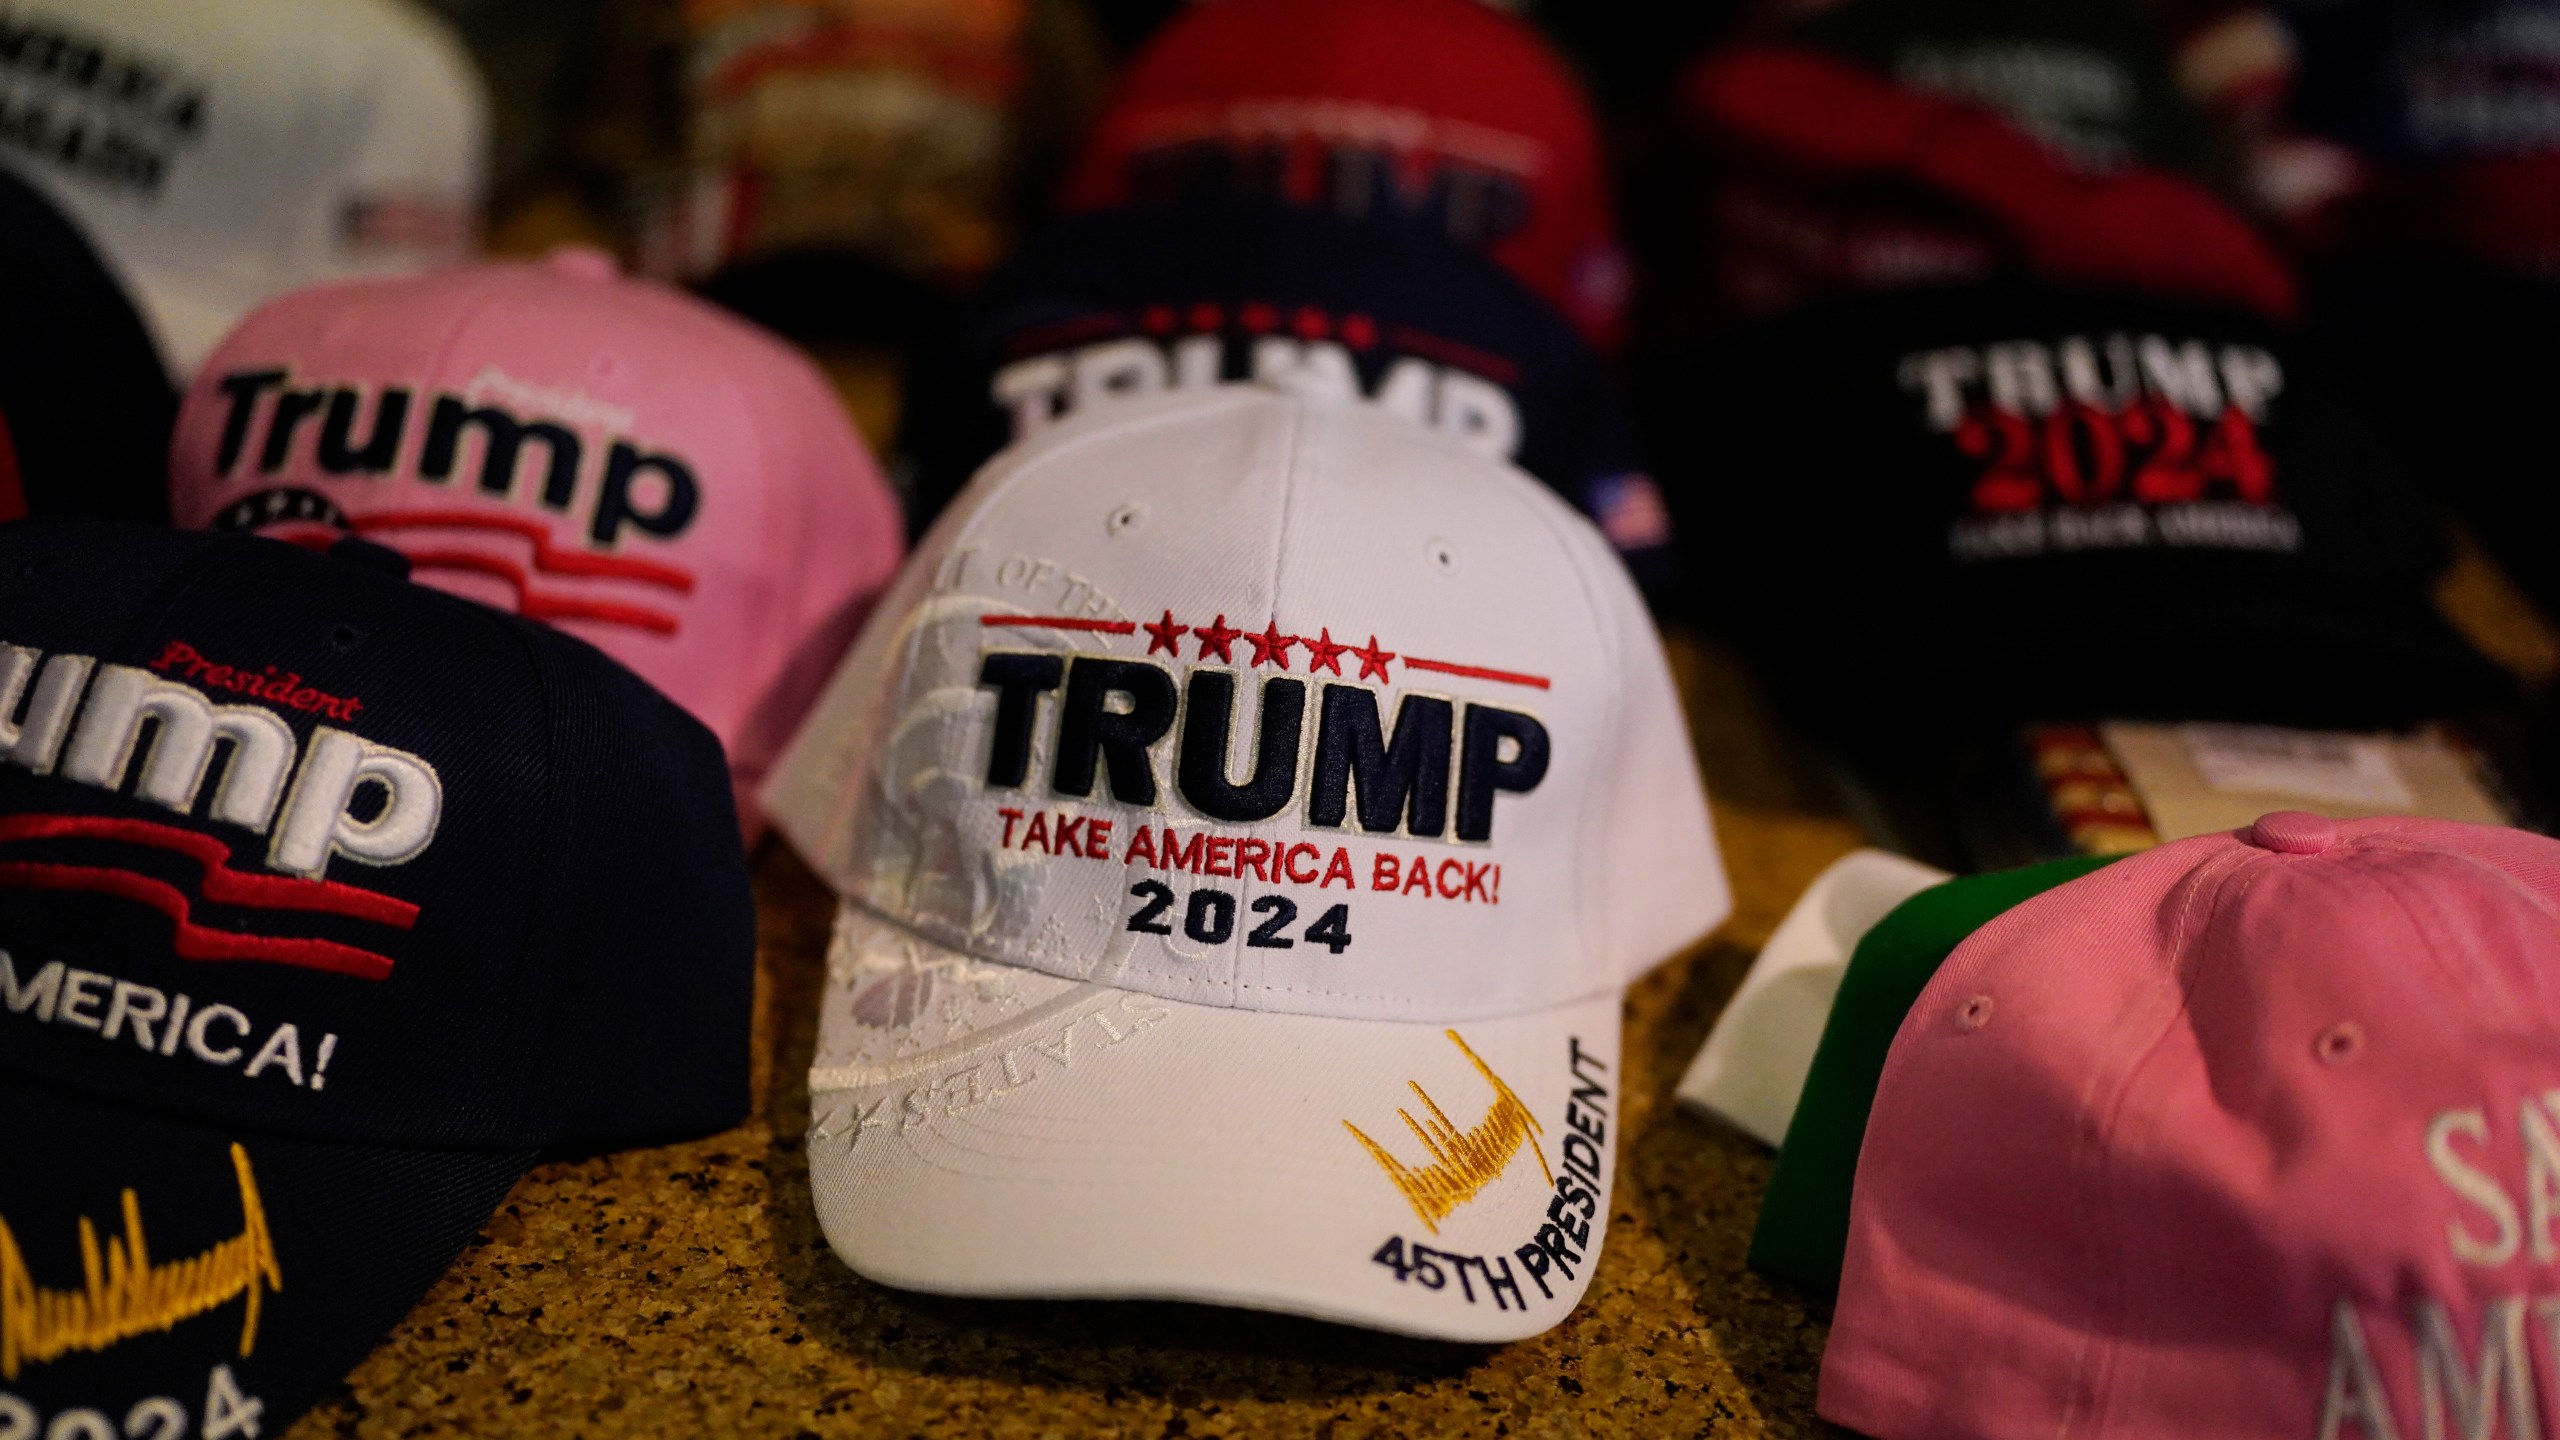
{"x": 2292, "y": 832}
{"x": 582, "y": 262}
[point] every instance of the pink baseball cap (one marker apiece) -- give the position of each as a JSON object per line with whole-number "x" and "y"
{"x": 637, "y": 467}
{"x": 2254, "y": 1134}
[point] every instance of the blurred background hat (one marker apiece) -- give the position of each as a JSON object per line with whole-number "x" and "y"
{"x": 1121, "y": 304}
{"x": 85, "y": 408}
{"x": 1445, "y": 113}
{"x": 221, "y": 154}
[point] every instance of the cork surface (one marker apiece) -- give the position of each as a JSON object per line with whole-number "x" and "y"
{"x": 687, "y": 1291}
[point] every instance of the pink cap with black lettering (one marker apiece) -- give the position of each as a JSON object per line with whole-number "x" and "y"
{"x": 638, "y": 468}
{"x": 1249, "y": 812}
{"x": 2255, "y": 1134}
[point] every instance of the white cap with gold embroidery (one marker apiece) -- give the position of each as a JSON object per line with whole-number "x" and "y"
{"x": 1249, "y": 813}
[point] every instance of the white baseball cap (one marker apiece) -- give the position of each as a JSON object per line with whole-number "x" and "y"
{"x": 222, "y": 152}
{"x": 1249, "y": 812}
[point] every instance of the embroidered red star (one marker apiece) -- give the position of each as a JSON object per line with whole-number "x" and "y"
{"x": 1271, "y": 646}
{"x": 1373, "y": 661}
{"x": 1324, "y": 652}
{"x": 1162, "y": 633}
{"x": 1216, "y": 639}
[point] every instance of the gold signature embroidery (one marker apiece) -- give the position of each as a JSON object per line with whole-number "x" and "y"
{"x": 123, "y": 1294}
{"x": 1463, "y": 1162}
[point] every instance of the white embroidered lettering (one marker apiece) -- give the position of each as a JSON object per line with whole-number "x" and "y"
{"x": 122, "y": 698}
{"x": 319, "y": 818}
{"x": 36, "y": 995}
{"x": 2355, "y": 1388}
{"x": 2472, "y": 1393}
{"x": 2474, "y": 1185}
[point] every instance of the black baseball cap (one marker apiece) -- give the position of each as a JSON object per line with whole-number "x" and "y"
{"x": 1935, "y": 511}
{"x": 327, "y": 905}
{"x": 2464, "y": 360}
{"x": 1129, "y": 302}
{"x": 85, "y": 406}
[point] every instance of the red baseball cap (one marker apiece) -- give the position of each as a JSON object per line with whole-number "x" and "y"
{"x": 2254, "y": 1134}
{"x": 1444, "y": 112}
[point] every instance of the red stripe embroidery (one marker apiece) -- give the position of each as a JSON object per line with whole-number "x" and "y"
{"x": 545, "y": 605}
{"x": 193, "y": 941}
{"x": 1061, "y": 622}
{"x": 222, "y": 884}
{"x": 1477, "y": 672}
{"x": 546, "y": 558}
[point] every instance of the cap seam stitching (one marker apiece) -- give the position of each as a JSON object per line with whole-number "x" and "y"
{"x": 2096, "y": 1367}
{"x": 1292, "y": 439}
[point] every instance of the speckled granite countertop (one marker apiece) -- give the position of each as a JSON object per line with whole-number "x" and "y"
{"x": 687, "y": 1291}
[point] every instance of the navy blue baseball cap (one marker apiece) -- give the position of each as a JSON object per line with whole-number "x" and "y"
{"x": 85, "y": 407}
{"x": 327, "y": 905}
{"x": 1125, "y": 303}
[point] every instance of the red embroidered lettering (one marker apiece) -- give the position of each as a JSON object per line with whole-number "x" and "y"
{"x": 1289, "y": 864}
{"x": 286, "y": 689}
{"x": 1037, "y": 834}
{"x": 1141, "y": 844}
{"x": 1339, "y": 868}
{"x": 1010, "y": 818}
{"x": 1251, "y": 855}
{"x": 1382, "y": 872}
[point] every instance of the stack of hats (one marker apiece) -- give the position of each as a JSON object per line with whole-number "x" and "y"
{"x": 2246, "y": 1135}
{"x": 1244, "y": 417}
{"x": 331, "y": 900}
{"x": 1248, "y": 804}
{"x": 1985, "y": 412}
{"x": 2430, "y": 215}
{"x": 328, "y": 904}
{"x": 353, "y": 870}
{"x": 658, "y": 478}
{"x": 1306, "y": 998}
{"x": 1272, "y": 195}
{"x": 221, "y": 155}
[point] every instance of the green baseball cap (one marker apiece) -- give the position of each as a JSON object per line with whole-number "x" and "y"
{"x": 1804, "y": 1217}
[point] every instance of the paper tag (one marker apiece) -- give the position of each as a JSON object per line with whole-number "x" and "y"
{"x": 2266, "y": 760}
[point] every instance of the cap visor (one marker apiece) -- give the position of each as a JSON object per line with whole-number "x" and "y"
{"x": 980, "y": 1129}
{"x": 225, "y": 1267}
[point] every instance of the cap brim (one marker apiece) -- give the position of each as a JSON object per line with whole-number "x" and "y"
{"x": 266, "y": 1267}
{"x": 981, "y": 1129}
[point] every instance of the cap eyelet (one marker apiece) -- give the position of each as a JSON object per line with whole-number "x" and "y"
{"x": 344, "y": 638}
{"x": 2339, "y": 1044}
{"x": 1973, "y": 1014}
{"x": 1442, "y": 555}
{"x": 1125, "y": 520}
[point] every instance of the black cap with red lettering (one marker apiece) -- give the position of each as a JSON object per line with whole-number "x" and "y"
{"x": 85, "y": 407}
{"x": 327, "y": 904}
{"x": 1937, "y": 510}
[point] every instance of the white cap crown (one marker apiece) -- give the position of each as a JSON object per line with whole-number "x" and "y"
{"x": 1252, "y": 701}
